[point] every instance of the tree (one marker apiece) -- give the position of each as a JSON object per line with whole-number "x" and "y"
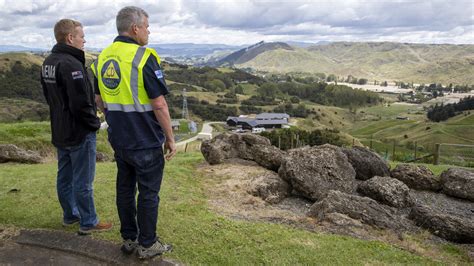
{"x": 214, "y": 85}
{"x": 331, "y": 77}
{"x": 268, "y": 90}
{"x": 294, "y": 99}
{"x": 239, "y": 89}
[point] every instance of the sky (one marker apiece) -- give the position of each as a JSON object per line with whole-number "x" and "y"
{"x": 238, "y": 22}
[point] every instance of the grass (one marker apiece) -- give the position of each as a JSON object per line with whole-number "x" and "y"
{"x": 436, "y": 169}
{"x": 36, "y": 136}
{"x": 456, "y": 130}
{"x": 199, "y": 235}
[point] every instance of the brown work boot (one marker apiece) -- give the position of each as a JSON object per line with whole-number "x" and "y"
{"x": 100, "y": 227}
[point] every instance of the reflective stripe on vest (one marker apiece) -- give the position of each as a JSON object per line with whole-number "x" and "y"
{"x": 137, "y": 106}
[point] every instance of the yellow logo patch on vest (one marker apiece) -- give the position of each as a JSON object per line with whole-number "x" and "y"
{"x": 110, "y": 72}
{"x": 111, "y": 76}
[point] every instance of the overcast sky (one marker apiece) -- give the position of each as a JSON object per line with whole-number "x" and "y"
{"x": 236, "y": 22}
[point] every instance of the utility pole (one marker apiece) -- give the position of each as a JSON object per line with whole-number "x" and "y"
{"x": 185, "y": 114}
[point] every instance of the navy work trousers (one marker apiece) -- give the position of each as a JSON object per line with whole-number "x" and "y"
{"x": 145, "y": 169}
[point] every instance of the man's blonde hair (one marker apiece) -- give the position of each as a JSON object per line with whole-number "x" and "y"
{"x": 65, "y": 27}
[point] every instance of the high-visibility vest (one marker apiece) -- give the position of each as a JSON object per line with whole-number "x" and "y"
{"x": 119, "y": 72}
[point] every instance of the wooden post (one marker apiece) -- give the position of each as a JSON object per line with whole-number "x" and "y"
{"x": 279, "y": 142}
{"x": 353, "y": 142}
{"x": 291, "y": 145}
{"x": 185, "y": 147}
{"x": 371, "y": 141}
{"x": 393, "y": 151}
{"x": 436, "y": 154}
{"x": 415, "y": 151}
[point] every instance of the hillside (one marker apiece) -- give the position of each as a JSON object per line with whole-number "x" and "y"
{"x": 7, "y": 60}
{"x": 244, "y": 55}
{"x": 419, "y": 63}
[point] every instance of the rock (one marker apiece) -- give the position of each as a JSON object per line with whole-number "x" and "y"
{"x": 443, "y": 203}
{"x": 228, "y": 145}
{"x": 458, "y": 182}
{"x": 101, "y": 157}
{"x": 386, "y": 190}
{"x": 449, "y": 227}
{"x": 342, "y": 220}
{"x": 416, "y": 177}
{"x": 366, "y": 163}
{"x": 218, "y": 149}
{"x": 360, "y": 208}
{"x": 270, "y": 187}
{"x": 268, "y": 156}
{"x": 12, "y": 153}
{"x": 243, "y": 143}
{"x": 313, "y": 171}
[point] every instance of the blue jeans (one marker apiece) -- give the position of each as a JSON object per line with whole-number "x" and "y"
{"x": 145, "y": 169}
{"x": 76, "y": 170}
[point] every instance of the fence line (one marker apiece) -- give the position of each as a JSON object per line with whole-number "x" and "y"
{"x": 445, "y": 153}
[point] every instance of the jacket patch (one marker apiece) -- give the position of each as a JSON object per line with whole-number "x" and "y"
{"x": 77, "y": 75}
{"x": 159, "y": 74}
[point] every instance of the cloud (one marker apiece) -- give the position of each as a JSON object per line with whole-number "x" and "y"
{"x": 29, "y": 22}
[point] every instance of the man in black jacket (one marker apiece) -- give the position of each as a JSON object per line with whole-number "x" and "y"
{"x": 74, "y": 124}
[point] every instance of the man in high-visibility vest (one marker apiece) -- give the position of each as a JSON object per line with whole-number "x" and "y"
{"x": 131, "y": 89}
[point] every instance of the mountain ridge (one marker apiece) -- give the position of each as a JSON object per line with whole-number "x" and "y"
{"x": 407, "y": 62}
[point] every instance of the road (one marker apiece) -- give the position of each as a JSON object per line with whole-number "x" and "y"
{"x": 206, "y": 128}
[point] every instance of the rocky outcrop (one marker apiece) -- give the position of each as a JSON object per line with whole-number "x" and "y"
{"x": 12, "y": 153}
{"x": 331, "y": 175}
{"x": 458, "y": 182}
{"x": 366, "y": 163}
{"x": 386, "y": 190}
{"x": 447, "y": 226}
{"x": 416, "y": 177}
{"x": 360, "y": 208}
{"x": 267, "y": 156}
{"x": 270, "y": 187}
{"x": 227, "y": 146}
{"x": 313, "y": 171}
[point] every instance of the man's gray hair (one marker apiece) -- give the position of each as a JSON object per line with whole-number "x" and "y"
{"x": 128, "y": 16}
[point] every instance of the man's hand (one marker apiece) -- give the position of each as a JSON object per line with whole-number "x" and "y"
{"x": 170, "y": 149}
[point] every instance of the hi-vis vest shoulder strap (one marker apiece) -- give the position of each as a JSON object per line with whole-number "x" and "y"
{"x": 118, "y": 70}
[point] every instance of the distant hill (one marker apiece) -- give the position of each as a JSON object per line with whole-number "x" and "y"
{"x": 7, "y": 60}
{"x": 244, "y": 55}
{"x": 19, "y": 48}
{"x": 174, "y": 50}
{"x": 419, "y": 63}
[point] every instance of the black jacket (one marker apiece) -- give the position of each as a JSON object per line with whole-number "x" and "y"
{"x": 70, "y": 96}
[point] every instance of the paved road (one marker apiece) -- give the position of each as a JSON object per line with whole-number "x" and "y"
{"x": 206, "y": 128}
{"x": 48, "y": 247}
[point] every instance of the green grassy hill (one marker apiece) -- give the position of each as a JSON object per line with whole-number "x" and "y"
{"x": 419, "y": 63}
{"x": 202, "y": 236}
{"x": 387, "y": 130}
{"x": 18, "y": 109}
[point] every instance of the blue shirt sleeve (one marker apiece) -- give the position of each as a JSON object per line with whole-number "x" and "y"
{"x": 153, "y": 78}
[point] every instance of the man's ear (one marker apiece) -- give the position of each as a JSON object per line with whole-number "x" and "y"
{"x": 135, "y": 29}
{"x": 69, "y": 38}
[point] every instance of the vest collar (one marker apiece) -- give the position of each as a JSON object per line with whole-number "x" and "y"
{"x": 62, "y": 48}
{"x": 125, "y": 39}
